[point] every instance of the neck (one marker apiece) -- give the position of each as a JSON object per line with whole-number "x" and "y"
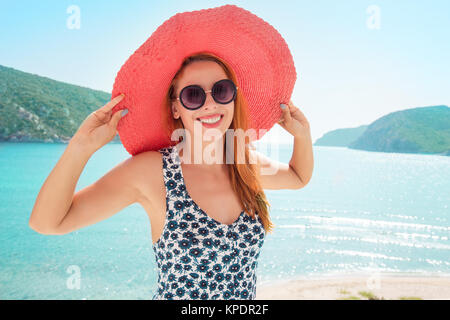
{"x": 206, "y": 154}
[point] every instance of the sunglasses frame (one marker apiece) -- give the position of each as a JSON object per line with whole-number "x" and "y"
{"x": 206, "y": 92}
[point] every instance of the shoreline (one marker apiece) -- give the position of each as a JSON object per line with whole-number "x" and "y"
{"x": 362, "y": 286}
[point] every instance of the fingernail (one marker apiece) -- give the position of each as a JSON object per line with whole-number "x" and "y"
{"x": 123, "y": 95}
{"x": 124, "y": 112}
{"x": 283, "y": 106}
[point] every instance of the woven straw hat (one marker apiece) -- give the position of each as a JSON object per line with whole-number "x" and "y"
{"x": 257, "y": 53}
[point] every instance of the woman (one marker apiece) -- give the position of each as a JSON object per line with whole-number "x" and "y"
{"x": 205, "y": 248}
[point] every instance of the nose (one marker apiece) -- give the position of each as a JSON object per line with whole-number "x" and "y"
{"x": 210, "y": 103}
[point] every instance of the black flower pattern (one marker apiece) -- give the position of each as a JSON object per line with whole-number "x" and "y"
{"x": 199, "y": 257}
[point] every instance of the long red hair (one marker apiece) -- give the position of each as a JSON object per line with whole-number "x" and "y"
{"x": 244, "y": 177}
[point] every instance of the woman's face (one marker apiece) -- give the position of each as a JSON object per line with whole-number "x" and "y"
{"x": 204, "y": 74}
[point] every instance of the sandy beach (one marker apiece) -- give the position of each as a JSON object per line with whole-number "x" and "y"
{"x": 377, "y": 286}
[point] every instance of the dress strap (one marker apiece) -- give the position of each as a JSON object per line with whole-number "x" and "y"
{"x": 174, "y": 194}
{"x": 172, "y": 173}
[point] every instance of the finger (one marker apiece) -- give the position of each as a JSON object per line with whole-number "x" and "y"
{"x": 296, "y": 112}
{"x": 108, "y": 107}
{"x": 101, "y": 116}
{"x": 281, "y": 123}
{"x": 286, "y": 114}
{"x": 299, "y": 115}
{"x": 98, "y": 116}
{"x": 115, "y": 119}
{"x": 292, "y": 107}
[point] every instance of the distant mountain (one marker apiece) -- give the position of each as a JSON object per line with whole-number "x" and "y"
{"x": 340, "y": 137}
{"x": 417, "y": 130}
{"x": 38, "y": 109}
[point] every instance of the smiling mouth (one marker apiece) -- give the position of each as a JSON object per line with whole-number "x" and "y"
{"x": 211, "y": 119}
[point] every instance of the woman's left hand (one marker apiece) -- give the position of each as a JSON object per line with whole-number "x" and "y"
{"x": 294, "y": 121}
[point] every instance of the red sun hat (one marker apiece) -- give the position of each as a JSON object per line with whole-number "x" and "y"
{"x": 254, "y": 49}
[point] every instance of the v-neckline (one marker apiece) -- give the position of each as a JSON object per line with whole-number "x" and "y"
{"x": 178, "y": 160}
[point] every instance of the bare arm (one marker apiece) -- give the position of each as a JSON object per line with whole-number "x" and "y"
{"x": 302, "y": 160}
{"x": 55, "y": 197}
{"x": 113, "y": 192}
{"x": 274, "y": 174}
{"x": 57, "y": 210}
{"x": 298, "y": 173}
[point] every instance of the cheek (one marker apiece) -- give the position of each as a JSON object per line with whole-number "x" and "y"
{"x": 231, "y": 113}
{"x": 188, "y": 121}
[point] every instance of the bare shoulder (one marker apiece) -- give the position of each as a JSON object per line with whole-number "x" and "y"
{"x": 147, "y": 170}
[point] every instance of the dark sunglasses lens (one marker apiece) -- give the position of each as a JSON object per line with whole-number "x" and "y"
{"x": 192, "y": 97}
{"x": 223, "y": 91}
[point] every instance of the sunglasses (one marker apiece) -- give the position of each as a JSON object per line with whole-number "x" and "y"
{"x": 193, "y": 96}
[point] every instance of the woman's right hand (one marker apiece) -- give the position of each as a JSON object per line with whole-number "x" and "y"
{"x": 99, "y": 127}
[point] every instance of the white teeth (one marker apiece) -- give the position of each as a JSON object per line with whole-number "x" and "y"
{"x": 211, "y": 120}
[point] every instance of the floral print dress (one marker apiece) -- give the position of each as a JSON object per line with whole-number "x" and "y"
{"x": 198, "y": 257}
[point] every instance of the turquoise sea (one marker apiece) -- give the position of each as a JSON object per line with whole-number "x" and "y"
{"x": 362, "y": 212}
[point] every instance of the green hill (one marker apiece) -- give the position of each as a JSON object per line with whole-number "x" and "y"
{"x": 417, "y": 130}
{"x": 39, "y": 109}
{"x": 340, "y": 137}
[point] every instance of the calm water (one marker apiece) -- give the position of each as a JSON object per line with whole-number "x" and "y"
{"x": 362, "y": 212}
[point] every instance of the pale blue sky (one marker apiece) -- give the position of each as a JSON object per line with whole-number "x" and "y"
{"x": 348, "y": 74}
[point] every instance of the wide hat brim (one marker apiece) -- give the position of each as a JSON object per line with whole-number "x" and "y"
{"x": 254, "y": 49}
